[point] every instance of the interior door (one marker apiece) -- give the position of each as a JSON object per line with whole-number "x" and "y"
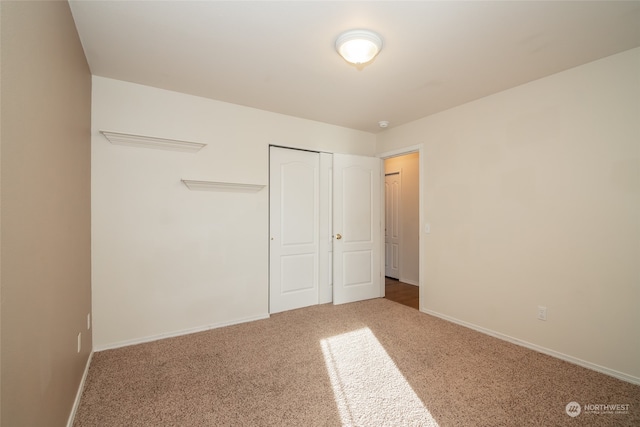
{"x": 357, "y": 248}
{"x": 392, "y": 225}
{"x": 294, "y": 228}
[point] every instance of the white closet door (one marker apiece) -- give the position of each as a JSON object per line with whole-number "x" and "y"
{"x": 294, "y": 227}
{"x": 357, "y": 228}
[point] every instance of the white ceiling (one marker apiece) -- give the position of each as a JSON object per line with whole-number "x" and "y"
{"x": 280, "y": 55}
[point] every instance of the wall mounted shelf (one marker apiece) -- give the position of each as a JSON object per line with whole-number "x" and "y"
{"x": 221, "y": 186}
{"x": 120, "y": 138}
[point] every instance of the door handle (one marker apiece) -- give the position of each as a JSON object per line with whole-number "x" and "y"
{"x": 338, "y": 236}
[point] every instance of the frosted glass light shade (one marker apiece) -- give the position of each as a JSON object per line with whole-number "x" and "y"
{"x": 358, "y": 46}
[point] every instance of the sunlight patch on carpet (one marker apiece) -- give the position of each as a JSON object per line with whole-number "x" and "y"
{"x": 368, "y": 387}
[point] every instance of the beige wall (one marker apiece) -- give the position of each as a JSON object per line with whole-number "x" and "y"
{"x": 533, "y": 196}
{"x": 409, "y": 168}
{"x": 45, "y": 200}
{"x": 167, "y": 260}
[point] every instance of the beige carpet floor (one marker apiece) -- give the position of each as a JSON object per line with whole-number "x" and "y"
{"x": 371, "y": 363}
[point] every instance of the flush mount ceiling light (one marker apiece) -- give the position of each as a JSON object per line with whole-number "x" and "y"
{"x": 358, "y": 46}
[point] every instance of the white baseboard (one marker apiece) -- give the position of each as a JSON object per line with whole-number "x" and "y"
{"x": 409, "y": 282}
{"x": 157, "y": 337}
{"x": 593, "y": 366}
{"x": 76, "y": 403}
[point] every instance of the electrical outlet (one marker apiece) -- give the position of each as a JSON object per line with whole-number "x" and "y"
{"x": 79, "y": 341}
{"x": 542, "y": 313}
{"x": 88, "y": 321}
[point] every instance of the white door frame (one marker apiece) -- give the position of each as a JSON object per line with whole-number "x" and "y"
{"x": 401, "y": 152}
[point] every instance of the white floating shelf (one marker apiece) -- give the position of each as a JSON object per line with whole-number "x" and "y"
{"x": 221, "y": 186}
{"x": 151, "y": 142}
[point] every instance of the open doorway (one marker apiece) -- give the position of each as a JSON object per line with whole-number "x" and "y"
{"x": 402, "y": 228}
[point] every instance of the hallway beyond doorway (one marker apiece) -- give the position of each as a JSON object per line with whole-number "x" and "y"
{"x": 402, "y": 293}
